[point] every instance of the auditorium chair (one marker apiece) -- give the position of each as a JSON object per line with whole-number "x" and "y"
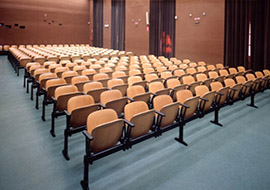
{"x": 79, "y": 81}
{"x": 101, "y": 77}
{"x": 188, "y": 111}
{"x": 61, "y": 96}
{"x": 68, "y": 75}
{"x": 118, "y": 84}
{"x": 190, "y": 81}
{"x": 214, "y": 75}
{"x": 94, "y": 89}
{"x": 78, "y": 109}
{"x": 105, "y": 134}
{"x": 201, "y": 77}
{"x": 89, "y": 73}
{"x": 246, "y": 85}
{"x": 50, "y": 87}
{"x": 234, "y": 90}
{"x": 165, "y": 105}
{"x": 136, "y": 80}
{"x": 59, "y": 71}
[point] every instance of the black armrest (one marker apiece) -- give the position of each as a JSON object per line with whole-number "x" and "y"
{"x": 44, "y": 89}
{"x": 233, "y": 89}
{"x": 160, "y": 113}
{"x": 219, "y": 93}
{"x": 204, "y": 99}
{"x": 53, "y": 98}
{"x": 184, "y": 105}
{"x": 130, "y": 99}
{"x": 129, "y": 123}
{"x": 67, "y": 113}
{"x": 101, "y": 105}
{"x": 245, "y": 85}
{"x": 87, "y": 135}
{"x": 154, "y": 94}
{"x": 257, "y": 82}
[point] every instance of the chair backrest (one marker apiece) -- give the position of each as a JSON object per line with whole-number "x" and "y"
{"x": 241, "y": 69}
{"x": 213, "y": 74}
{"x": 266, "y": 72}
{"x": 233, "y": 70}
{"x": 191, "y": 70}
{"x": 43, "y": 78}
{"x": 78, "y": 102}
{"x": 201, "y": 90}
{"x": 201, "y": 77}
{"x": 186, "y": 97}
{"x": 109, "y": 95}
{"x": 240, "y": 79}
{"x": 100, "y": 76}
{"x": 135, "y": 90}
{"x": 219, "y": 66}
{"x": 106, "y": 129}
{"x": 150, "y": 77}
{"x": 229, "y": 82}
{"x": 202, "y": 63}
{"x": 171, "y": 83}
{"x": 134, "y": 79}
{"x": 259, "y": 74}
{"x": 115, "y": 82}
{"x": 155, "y": 86}
{"x": 188, "y": 79}
{"x": 69, "y": 74}
{"x": 62, "y": 90}
{"x": 223, "y": 72}
{"x": 250, "y": 76}
{"x": 166, "y": 74}
{"x": 134, "y": 72}
{"x": 204, "y": 92}
{"x": 179, "y": 72}
{"x": 54, "y": 82}
{"x": 165, "y": 104}
{"x": 139, "y": 114}
{"x": 92, "y": 86}
{"x": 201, "y": 69}
{"x": 88, "y": 71}
{"x": 117, "y": 74}
{"x": 79, "y": 79}
{"x": 211, "y": 67}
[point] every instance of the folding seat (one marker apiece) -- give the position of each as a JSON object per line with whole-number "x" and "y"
{"x": 137, "y": 93}
{"x": 256, "y": 82}
{"x": 46, "y": 64}
{"x": 136, "y": 80}
{"x": 201, "y": 77}
{"x": 234, "y": 89}
{"x": 61, "y": 96}
{"x": 35, "y": 79}
{"x": 225, "y": 73}
{"x": 175, "y": 86}
{"x": 50, "y": 86}
{"x": 165, "y": 105}
{"x": 201, "y": 69}
{"x": 172, "y": 67}
{"x": 94, "y": 89}
{"x": 188, "y": 110}
{"x": 243, "y": 70}
{"x": 220, "y": 66}
{"x": 104, "y": 136}
{"x": 179, "y": 72}
{"x": 78, "y": 109}
{"x": 121, "y": 75}
{"x": 68, "y": 75}
{"x": 186, "y": 61}
{"x": 52, "y": 67}
{"x": 214, "y": 75}
{"x": 193, "y": 64}
{"x": 264, "y": 79}
{"x": 71, "y": 65}
{"x": 79, "y": 81}
{"x": 157, "y": 88}
{"x": 101, "y": 77}
{"x": 166, "y": 75}
{"x": 136, "y": 72}
{"x": 122, "y": 68}
{"x": 78, "y": 61}
{"x": 64, "y": 62}
{"x": 190, "y": 81}
{"x": 152, "y": 77}
{"x": 266, "y": 72}
{"x": 246, "y": 85}
{"x": 89, "y": 73}
{"x": 144, "y": 125}
{"x": 207, "y": 99}
{"x": 59, "y": 71}
{"x": 118, "y": 84}
{"x": 106, "y": 70}
{"x": 149, "y": 70}
{"x": 234, "y": 71}
{"x": 183, "y": 66}
{"x": 31, "y": 71}
{"x": 161, "y": 69}
{"x": 223, "y": 91}
{"x": 113, "y": 99}
{"x": 79, "y": 69}
{"x": 211, "y": 67}
{"x": 201, "y": 63}
{"x": 43, "y": 78}
{"x": 146, "y": 65}
{"x": 27, "y": 70}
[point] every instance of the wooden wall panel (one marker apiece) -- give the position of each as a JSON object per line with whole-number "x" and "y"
{"x": 107, "y": 17}
{"x": 72, "y": 14}
{"x": 137, "y": 36}
{"x": 204, "y": 41}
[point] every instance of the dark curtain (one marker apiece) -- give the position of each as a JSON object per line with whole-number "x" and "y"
{"x": 260, "y": 34}
{"x": 118, "y": 24}
{"x": 98, "y": 23}
{"x": 236, "y": 33}
{"x": 162, "y": 28}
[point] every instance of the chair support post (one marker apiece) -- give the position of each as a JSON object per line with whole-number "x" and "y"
{"x": 181, "y": 134}
{"x": 215, "y": 121}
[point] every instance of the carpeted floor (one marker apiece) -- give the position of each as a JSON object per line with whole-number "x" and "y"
{"x": 235, "y": 156}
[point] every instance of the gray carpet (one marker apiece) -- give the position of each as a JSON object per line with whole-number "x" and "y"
{"x": 233, "y": 157}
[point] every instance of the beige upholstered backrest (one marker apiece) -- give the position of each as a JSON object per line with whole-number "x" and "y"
{"x": 79, "y": 101}
{"x": 91, "y": 86}
{"x": 65, "y": 90}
